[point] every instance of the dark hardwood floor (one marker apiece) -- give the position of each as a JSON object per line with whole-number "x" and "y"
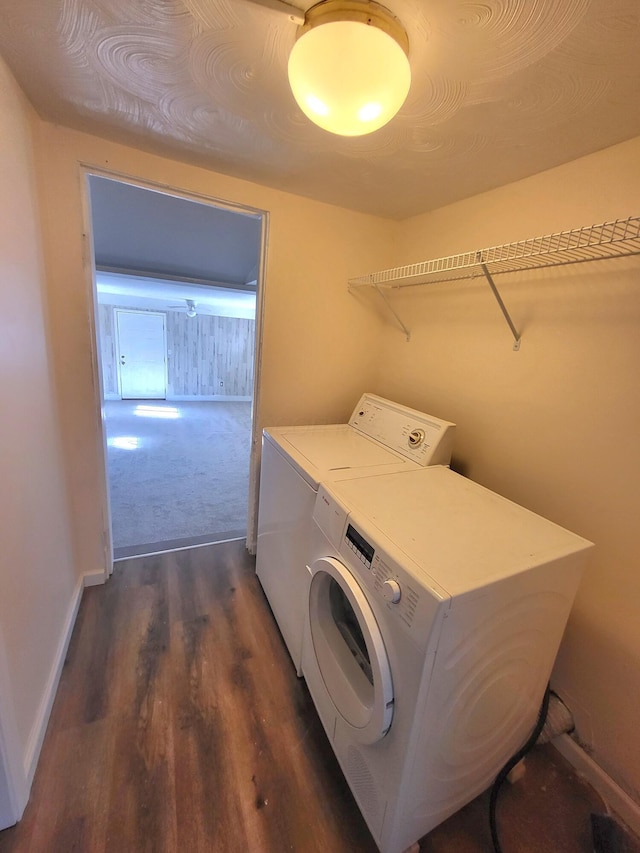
{"x": 179, "y": 725}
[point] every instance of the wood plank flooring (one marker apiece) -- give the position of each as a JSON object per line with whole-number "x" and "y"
{"x": 179, "y": 725}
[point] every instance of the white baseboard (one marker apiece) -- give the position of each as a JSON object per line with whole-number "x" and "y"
{"x": 193, "y": 398}
{"x": 613, "y": 795}
{"x": 93, "y": 578}
{"x": 34, "y": 744}
{"x": 206, "y": 398}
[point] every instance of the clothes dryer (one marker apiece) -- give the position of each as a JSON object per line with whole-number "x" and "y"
{"x": 381, "y": 436}
{"x": 435, "y": 612}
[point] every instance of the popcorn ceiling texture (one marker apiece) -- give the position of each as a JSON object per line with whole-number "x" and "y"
{"x": 500, "y": 90}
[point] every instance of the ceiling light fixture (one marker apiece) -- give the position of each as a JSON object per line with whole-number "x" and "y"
{"x": 349, "y": 68}
{"x": 191, "y": 308}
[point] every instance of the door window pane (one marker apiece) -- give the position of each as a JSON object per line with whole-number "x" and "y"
{"x": 347, "y": 623}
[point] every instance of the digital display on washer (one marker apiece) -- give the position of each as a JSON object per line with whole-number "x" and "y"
{"x": 360, "y": 545}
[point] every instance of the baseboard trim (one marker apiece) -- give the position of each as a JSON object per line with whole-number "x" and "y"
{"x": 189, "y": 398}
{"x": 34, "y": 744}
{"x": 207, "y": 398}
{"x": 617, "y": 799}
{"x": 93, "y": 578}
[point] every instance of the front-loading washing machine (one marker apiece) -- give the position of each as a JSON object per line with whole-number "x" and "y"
{"x": 435, "y": 612}
{"x": 381, "y": 436}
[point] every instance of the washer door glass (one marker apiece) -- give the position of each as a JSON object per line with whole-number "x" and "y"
{"x": 349, "y": 650}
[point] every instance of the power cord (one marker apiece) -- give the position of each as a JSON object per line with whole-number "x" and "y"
{"x": 511, "y": 763}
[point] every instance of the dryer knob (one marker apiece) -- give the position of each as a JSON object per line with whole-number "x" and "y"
{"x": 391, "y": 591}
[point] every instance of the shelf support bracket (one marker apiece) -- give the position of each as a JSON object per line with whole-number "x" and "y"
{"x": 390, "y": 307}
{"x": 503, "y": 308}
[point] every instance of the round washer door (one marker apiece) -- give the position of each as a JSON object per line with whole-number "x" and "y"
{"x": 349, "y": 650}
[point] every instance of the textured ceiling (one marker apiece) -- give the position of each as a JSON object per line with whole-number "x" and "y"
{"x": 501, "y": 89}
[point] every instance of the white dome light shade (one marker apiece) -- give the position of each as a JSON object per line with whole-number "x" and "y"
{"x": 349, "y": 70}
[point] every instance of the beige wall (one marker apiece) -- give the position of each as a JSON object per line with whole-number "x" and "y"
{"x": 555, "y": 426}
{"x": 37, "y": 575}
{"x": 319, "y": 347}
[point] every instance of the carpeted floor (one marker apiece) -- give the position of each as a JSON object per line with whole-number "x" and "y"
{"x": 178, "y": 473}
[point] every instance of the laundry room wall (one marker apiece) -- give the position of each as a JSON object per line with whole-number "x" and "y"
{"x": 38, "y": 582}
{"x": 554, "y": 426}
{"x": 319, "y": 348}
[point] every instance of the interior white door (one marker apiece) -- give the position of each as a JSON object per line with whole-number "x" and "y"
{"x": 142, "y": 355}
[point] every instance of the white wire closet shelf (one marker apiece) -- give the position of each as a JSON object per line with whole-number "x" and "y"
{"x": 616, "y": 239}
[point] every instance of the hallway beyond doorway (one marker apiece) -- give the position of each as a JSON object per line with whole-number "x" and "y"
{"x": 178, "y": 472}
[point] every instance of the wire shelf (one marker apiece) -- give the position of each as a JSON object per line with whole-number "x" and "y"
{"x": 616, "y": 239}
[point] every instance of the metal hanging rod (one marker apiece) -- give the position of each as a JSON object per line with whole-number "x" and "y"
{"x": 616, "y": 239}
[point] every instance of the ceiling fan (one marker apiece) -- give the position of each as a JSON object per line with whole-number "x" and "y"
{"x": 187, "y": 305}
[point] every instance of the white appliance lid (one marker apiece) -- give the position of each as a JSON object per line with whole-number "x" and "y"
{"x": 456, "y": 531}
{"x": 341, "y": 449}
{"x": 317, "y": 452}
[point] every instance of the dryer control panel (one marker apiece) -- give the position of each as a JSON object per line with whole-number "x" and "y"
{"x": 401, "y": 594}
{"x": 424, "y": 439}
{"x": 406, "y": 601}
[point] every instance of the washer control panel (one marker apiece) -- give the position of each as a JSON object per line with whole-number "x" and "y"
{"x": 422, "y": 438}
{"x": 417, "y": 437}
{"x": 406, "y": 597}
{"x": 387, "y": 580}
{"x": 359, "y": 545}
{"x": 401, "y": 594}
{"x": 391, "y": 591}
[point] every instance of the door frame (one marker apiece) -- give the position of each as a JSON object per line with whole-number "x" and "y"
{"x": 88, "y": 171}
{"x": 117, "y": 312}
{"x": 13, "y": 777}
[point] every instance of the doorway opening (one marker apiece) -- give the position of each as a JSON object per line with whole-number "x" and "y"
{"x": 175, "y": 292}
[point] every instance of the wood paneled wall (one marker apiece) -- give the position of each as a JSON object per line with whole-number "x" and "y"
{"x": 206, "y": 356}
{"x": 210, "y": 355}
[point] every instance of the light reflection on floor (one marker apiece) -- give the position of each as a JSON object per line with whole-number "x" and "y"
{"x": 157, "y": 411}
{"x": 125, "y": 442}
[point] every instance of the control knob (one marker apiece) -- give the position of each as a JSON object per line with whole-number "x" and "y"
{"x": 416, "y": 437}
{"x": 391, "y": 591}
